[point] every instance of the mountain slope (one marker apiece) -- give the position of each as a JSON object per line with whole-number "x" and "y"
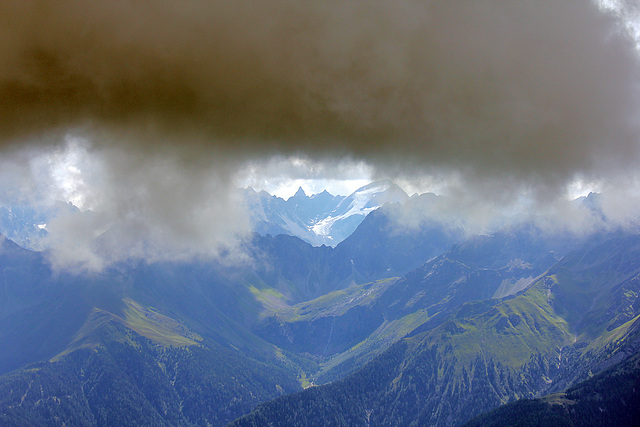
{"x": 320, "y": 219}
{"x": 484, "y": 353}
{"x": 113, "y": 332}
{"x": 468, "y": 324}
{"x": 294, "y": 216}
{"x": 350, "y": 212}
{"x": 442, "y": 376}
{"x": 136, "y": 381}
{"x": 609, "y": 398}
{"x": 346, "y": 328}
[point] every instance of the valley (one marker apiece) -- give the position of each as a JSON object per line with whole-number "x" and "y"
{"x": 426, "y": 324}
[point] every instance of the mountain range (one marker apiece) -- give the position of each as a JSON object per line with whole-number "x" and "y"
{"x": 319, "y": 219}
{"x": 402, "y": 322}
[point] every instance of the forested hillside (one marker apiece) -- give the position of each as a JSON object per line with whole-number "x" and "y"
{"x": 486, "y": 353}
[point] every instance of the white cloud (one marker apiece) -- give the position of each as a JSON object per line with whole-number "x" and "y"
{"x": 283, "y": 175}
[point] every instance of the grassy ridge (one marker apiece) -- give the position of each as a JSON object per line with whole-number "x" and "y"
{"x": 102, "y": 326}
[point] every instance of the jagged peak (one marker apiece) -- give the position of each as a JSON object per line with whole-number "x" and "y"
{"x": 323, "y": 195}
{"x": 300, "y": 193}
{"x": 249, "y": 189}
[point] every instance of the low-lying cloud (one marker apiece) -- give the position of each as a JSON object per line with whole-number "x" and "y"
{"x": 176, "y": 97}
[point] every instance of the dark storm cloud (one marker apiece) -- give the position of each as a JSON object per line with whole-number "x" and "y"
{"x": 501, "y": 95}
{"x": 537, "y": 89}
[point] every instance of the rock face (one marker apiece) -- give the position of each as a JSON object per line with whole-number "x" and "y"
{"x": 320, "y": 219}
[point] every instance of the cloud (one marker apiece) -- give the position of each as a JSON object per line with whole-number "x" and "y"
{"x": 151, "y": 207}
{"x": 494, "y": 96}
{"x": 282, "y": 176}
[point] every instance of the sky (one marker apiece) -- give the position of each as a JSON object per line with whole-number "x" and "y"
{"x": 151, "y": 116}
{"x": 282, "y": 176}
